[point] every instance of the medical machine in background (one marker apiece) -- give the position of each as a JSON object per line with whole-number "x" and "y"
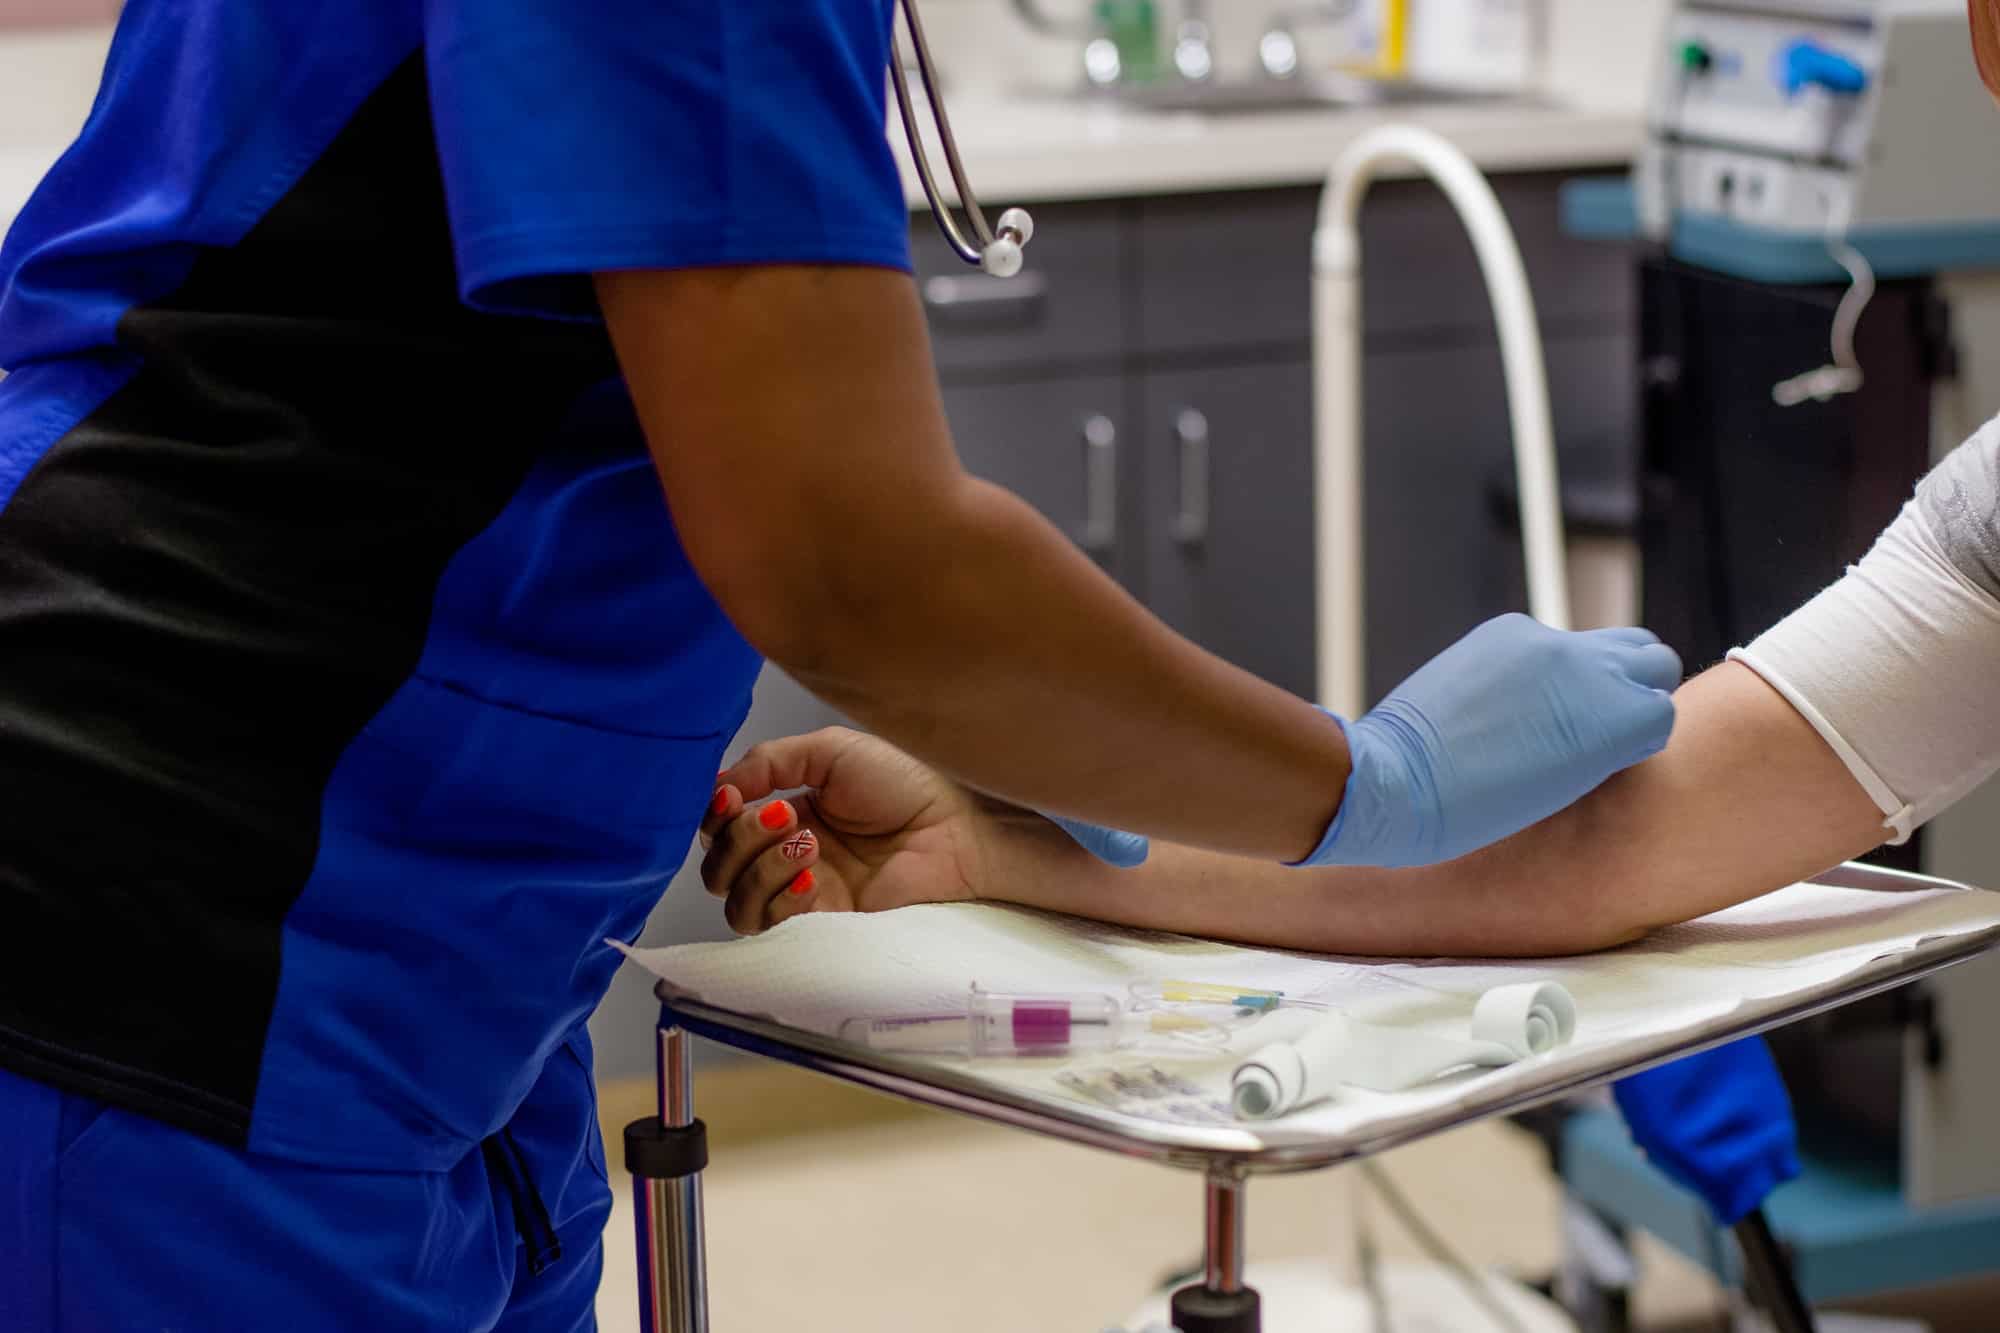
{"x": 1819, "y": 320}
{"x": 1787, "y": 137}
{"x": 1801, "y": 120}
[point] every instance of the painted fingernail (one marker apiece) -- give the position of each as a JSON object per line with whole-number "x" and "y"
{"x": 775, "y": 815}
{"x": 800, "y": 845}
{"x": 720, "y": 803}
{"x": 801, "y": 886}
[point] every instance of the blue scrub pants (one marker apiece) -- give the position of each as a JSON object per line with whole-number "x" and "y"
{"x": 111, "y": 1222}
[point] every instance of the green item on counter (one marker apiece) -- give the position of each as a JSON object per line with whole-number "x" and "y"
{"x": 1134, "y": 27}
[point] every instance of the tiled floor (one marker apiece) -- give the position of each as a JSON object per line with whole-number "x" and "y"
{"x": 823, "y": 1216}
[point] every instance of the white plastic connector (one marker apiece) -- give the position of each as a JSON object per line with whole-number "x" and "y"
{"x": 1002, "y": 258}
{"x": 1020, "y": 221}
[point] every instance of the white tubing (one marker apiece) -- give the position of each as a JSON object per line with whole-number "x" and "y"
{"x": 1338, "y": 510}
{"x": 1337, "y": 394}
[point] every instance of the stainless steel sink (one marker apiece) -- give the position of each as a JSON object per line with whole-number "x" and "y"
{"x": 1238, "y": 96}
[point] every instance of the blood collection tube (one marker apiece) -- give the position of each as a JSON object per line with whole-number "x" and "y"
{"x": 995, "y": 1023}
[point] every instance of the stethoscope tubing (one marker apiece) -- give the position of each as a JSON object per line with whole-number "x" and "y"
{"x": 973, "y": 249}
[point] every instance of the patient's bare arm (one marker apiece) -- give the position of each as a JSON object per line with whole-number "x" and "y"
{"x": 1745, "y": 799}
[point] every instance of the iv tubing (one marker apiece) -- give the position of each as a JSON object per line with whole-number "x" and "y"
{"x": 1341, "y": 618}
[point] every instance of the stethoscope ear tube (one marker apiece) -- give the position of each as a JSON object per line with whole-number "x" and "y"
{"x": 997, "y": 251}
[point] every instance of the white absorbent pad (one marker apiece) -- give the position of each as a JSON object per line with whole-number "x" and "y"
{"x": 1756, "y": 960}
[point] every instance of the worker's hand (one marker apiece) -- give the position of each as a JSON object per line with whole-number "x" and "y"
{"x": 873, "y": 829}
{"x": 1500, "y": 731}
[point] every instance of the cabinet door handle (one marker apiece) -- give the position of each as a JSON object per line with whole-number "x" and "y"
{"x": 975, "y": 294}
{"x": 1191, "y": 523}
{"x": 1100, "y": 485}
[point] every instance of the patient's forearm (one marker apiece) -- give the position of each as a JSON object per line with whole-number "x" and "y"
{"x": 1746, "y": 798}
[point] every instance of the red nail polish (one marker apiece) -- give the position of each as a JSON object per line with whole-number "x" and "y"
{"x": 801, "y": 886}
{"x": 719, "y": 804}
{"x": 775, "y": 815}
{"x": 800, "y": 845}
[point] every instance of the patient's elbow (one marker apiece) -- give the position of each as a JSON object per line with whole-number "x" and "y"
{"x": 1613, "y": 937}
{"x": 1595, "y": 920}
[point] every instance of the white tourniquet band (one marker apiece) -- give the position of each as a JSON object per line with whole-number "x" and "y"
{"x": 1897, "y": 665}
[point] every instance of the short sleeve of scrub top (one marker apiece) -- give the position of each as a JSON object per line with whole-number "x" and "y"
{"x": 626, "y": 134}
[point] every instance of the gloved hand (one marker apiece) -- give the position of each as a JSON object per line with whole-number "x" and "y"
{"x": 1123, "y": 850}
{"x": 1507, "y": 726}
{"x": 1501, "y": 730}
{"x": 1719, "y": 1123}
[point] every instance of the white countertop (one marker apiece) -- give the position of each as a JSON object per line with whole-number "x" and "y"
{"x": 20, "y": 170}
{"x": 1023, "y": 150}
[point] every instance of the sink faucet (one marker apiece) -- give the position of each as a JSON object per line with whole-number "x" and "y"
{"x": 1278, "y": 48}
{"x": 1194, "y": 43}
{"x": 1042, "y": 21}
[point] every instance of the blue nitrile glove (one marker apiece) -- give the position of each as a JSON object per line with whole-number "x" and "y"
{"x": 1719, "y": 1123}
{"x": 1501, "y": 730}
{"x": 1123, "y": 850}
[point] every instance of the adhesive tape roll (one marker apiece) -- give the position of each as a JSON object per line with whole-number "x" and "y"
{"x": 1528, "y": 1019}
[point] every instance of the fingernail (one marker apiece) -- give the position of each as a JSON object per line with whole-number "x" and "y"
{"x": 775, "y": 815}
{"x": 799, "y": 846}
{"x": 720, "y": 803}
{"x": 801, "y": 886}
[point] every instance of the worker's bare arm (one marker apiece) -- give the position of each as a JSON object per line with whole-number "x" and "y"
{"x": 794, "y": 417}
{"x": 1746, "y": 798}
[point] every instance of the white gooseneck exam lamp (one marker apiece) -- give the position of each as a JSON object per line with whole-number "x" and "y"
{"x": 1337, "y": 406}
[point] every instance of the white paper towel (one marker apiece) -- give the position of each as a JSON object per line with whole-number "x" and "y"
{"x": 815, "y": 970}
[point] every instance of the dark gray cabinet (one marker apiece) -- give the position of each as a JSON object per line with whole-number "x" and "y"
{"x": 1058, "y": 443}
{"x": 1066, "y": 310}
{"x": 1441, "y": 555}
{"x": 1194, "y": 311}
{"x": 1229, "y": 530}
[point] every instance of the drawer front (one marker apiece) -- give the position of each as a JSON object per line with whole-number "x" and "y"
{"x": 1063, "y": 308}
{"x": 1229, "y": 514}
{"x": 1060, "y": 444}
{"x": 1421, "y": 273}
{"x": 1226, "y": 271}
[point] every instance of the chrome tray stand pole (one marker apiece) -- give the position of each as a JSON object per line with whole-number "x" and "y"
{"x": 666, "y": 1154}
{"x": 1221, "y": 1304}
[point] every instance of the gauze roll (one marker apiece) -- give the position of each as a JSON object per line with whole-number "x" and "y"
{"x": 1509, "y": 1023}
{"x": 1528, "y": 1019}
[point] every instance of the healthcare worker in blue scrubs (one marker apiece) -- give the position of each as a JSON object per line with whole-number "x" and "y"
{"x": 422, "y": 419}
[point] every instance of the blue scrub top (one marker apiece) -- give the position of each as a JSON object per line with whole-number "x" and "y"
{"x": 357, "y": 687}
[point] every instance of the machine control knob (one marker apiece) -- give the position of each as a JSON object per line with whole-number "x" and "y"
{"x": 1805, "y": 63}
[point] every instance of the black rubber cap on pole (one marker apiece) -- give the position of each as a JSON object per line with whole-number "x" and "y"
{"x": 655, "y": 1152}
{"x": 1199, "y": 1310}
